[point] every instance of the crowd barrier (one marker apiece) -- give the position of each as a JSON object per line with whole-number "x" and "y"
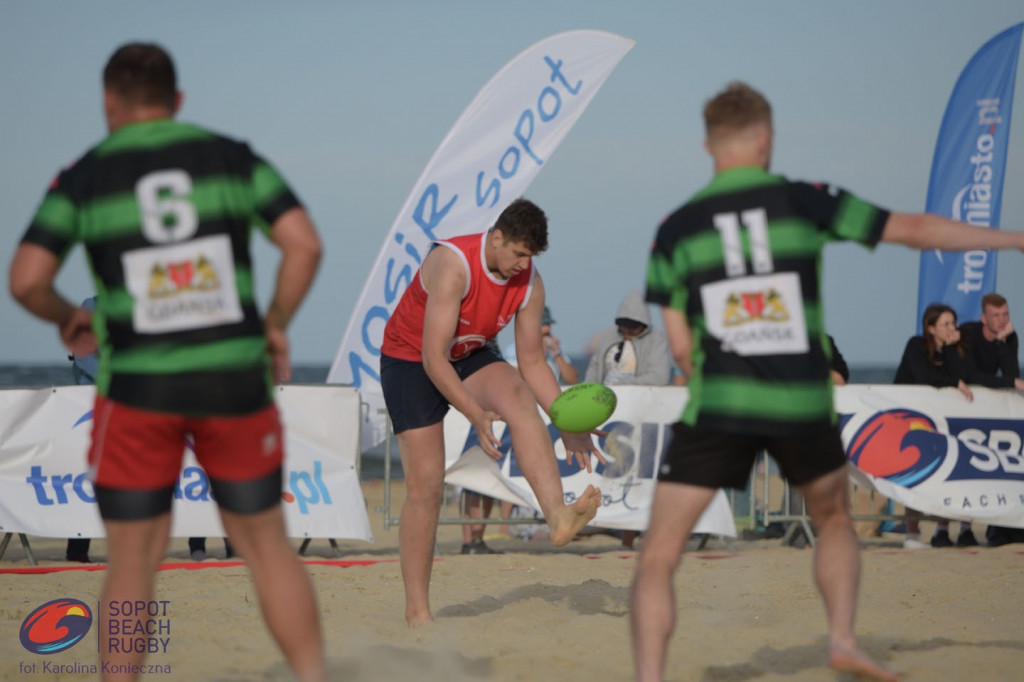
{"x": 45, "y": 489}
{"x": 924, "y": 448}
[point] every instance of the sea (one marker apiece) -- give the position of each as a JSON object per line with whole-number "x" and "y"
{"x": 45, "y": 375}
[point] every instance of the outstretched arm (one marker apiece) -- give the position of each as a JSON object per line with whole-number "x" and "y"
{"x": 929, "y": 231}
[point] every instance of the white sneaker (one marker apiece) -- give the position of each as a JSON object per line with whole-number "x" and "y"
{"x": 914, "y": 543}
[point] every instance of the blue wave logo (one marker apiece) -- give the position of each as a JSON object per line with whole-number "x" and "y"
{"x": 900, "y": 445}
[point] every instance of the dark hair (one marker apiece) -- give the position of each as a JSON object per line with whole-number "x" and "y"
{"x": 735, "y": 108}
{"x": 142, "y": 73}
{"x": 524, "y": 222}
{"x": 628, "y": 323}
{"x": 931, "y": 316}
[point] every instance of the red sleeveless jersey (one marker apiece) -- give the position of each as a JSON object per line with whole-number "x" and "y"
{"x": 487, "y": 306}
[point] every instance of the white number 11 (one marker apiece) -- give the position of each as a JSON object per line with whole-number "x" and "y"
{"x": 756, "y": 222}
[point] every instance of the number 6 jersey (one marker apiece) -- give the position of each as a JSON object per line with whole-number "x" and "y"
{"x": 164, "y": 210}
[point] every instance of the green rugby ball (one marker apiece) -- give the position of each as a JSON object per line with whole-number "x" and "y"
{"x": 582, "y": 407}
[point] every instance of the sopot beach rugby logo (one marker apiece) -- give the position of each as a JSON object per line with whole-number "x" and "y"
{"x": 56, "y": 626}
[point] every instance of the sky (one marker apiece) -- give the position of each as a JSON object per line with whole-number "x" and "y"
{"x": 350, "y": 100}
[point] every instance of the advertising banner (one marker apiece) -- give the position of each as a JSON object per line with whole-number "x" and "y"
{"x": 45, "y": 488}
{"x": 490, "y": 156}
{"x": 966, "y": 181}
{"x": 926, "y": 448}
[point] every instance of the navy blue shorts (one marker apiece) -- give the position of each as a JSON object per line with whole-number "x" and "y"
{"x": 712, "y": 459}
{"x": 411, "y": 397}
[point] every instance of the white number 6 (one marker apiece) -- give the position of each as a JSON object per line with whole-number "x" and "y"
{"x": 167, "y": 213}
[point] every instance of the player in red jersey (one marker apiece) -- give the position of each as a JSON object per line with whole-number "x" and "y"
{"x": 436, "y": 353}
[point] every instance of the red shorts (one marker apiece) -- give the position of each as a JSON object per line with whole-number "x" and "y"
{"x": 140, "y": 450}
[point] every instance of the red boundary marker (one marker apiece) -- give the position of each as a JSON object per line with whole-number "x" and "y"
{"x": 187, "y": 565}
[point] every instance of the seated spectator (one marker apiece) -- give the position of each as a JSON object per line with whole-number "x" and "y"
{"x": 631, "y": 351}
{"x": 936, "y": 358}
{"x": 561, "y": 365}
{"x": 559, "y": 362}
{"x": 991, "y": 345}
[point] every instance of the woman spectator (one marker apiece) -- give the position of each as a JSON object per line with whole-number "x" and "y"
{"x": 936, "y": 358}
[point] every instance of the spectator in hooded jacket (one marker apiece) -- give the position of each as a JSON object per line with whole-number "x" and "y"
{"x": 630, "y": 351}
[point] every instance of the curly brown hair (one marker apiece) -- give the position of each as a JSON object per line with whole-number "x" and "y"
{"x": 525, "y": 223}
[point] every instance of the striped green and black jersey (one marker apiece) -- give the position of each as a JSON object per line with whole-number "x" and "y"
{"x": 165, "y": 210}
{"x": 742, "y": 261}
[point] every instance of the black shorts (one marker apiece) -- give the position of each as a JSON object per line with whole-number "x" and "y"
{"x": 411, "y": 397}
{"x": 712, "y": 459}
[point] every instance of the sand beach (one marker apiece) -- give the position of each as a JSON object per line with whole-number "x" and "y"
{"x": 748, "y": 610}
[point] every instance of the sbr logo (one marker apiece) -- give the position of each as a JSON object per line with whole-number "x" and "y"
{"x": 901, "y": 445}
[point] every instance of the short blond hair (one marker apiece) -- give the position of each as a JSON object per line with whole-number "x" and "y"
{"x": 736, "y": 108}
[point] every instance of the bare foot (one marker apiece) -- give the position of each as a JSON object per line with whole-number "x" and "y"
{"x": 570, "y": 520}
{"x": 854, "y": 661}
{"x": 415, "y": 620}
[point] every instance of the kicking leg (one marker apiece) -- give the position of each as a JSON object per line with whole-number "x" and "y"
{"x": 286, "y": 593}
{"x": 837, "y": 572}
{"x": 674, "y": 513}
{"x": 422, "y": 453}
{"x": 499, "y": 388}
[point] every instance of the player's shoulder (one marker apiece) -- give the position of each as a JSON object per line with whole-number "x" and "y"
{"x": 444, "y": 256}
{"x": 816, "y": 187}
{"x": 211, "y": 135}
{"x": 70, "y": 175}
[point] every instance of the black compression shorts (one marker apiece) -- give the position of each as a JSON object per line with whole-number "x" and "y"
{"x": 713, "y": 459}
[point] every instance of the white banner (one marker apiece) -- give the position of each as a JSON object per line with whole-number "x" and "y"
{"x": 45, "y": 489}
{"x": 490, "y": 156}
{"x": 929, "y": 449}
{"x": 638, "y": 432}
{"x": 932, "y": 450}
